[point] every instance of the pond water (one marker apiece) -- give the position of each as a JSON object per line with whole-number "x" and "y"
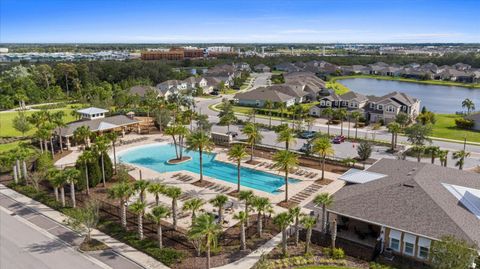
{"x": 437, "y": 98}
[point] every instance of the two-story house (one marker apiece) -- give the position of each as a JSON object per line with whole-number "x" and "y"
{"x": 386, "y": 108}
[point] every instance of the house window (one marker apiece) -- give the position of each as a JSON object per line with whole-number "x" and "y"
{"x": 380, "y": 107}
{"x": 372, "y": 105}
{"x": 423, "y": 252}
{"x": 395, "y": 244}
{"x": 328, "y": 103}
{"x": 322, "y": 103}
{"x": 408, "y": 248}
{"x": 390, "y": 109}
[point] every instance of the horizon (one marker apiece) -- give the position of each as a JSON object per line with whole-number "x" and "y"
{"x": 239, "y": 22}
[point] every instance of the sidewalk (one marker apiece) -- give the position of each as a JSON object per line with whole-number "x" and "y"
{"x": 47, "y": 219}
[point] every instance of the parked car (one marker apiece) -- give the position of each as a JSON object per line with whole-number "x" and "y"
{"x": 338, "y": 139}
{"x": 233, "y": 134}
{"x": 307, "y": 147}
{"x": 307, "y": 134}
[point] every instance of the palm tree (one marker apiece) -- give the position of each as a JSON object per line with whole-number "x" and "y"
{"x": 355, "y": 115}
{"x": 141, "y": 186}
{"x": 71, "y": 176}
{"x": 328, "y": 112}
{"x": 341, "y": 114}
{"x": 248, "y": 197}
{"x": 467, "y": 103}
{"x": 460, "y": 155}
{"x": 157, "y": 215}
{"x": 205, "y": 227}
{"x": 139, "y": 208}
{"x": 433, "y": 151}
{"x": 156, "y": 189}
{"x": 174, "y": 193}
{"x": 269, "y": 105}
{"x": 281, "y": 106}
{"x": 261, "y": 204}
{"x": 285, "y": 161}
{"x": 178, "y": 132}
{"x": 253, "y": 136}
{"x": 443, "y": 156}
{"x": 394, "y": 128}
{"x": 82, "y": 133}
{"x": 219, "y": 201}
{"x": 323, "y": 147}
{"x": 113, "y": 136}
{"x": 200, "y": 141}
{"x": 52, "y": 176}
{"x": 418, "y": 150}
{"x": 242, "y": 218}
{"x": 237, "y": 152}
{"x": 87, "y": 157}
{"x": 101, "y": 147}
{"x": 325, "y": 200}
{"x": 296, "y": 213}
{"x": 122, "y": 191}
{"x": 57, "y": 120}
{"x": 308, "y": 223}
{"x": 283, "y": 220}
{"x": 286, "y": 135}
{"x": 193, "y": 205}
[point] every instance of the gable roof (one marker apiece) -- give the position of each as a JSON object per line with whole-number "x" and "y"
{"x": 412, "y": 198}
{"x": 264, "y": 93}
{"x": 92, "y": 110}
{"x": 98, "y": 124}
{"x": 141, "y": 90}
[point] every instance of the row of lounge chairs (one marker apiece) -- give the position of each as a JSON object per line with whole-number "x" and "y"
{"x": 219, "y": 188}
{"x": 182, "y": 177}
{"x": 298, "y": 172}
{"x": 131, "y": 141}
{"x": 305, "y": 193}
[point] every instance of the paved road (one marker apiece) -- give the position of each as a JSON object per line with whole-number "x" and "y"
{"x": 346, "y": 149}
{"x": 22, "y": 246}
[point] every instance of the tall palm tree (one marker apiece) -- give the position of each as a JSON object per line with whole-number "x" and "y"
{"x": 157, "y": 214}
{"x": 323, "y": 199}
{"x": 341, "y": 114}
{"x": 285, "y": 161}
{"x": 82, "y": 133}
{"x": 467, "y": 103}
{"x": 206, "y": 228}
{"x": 308, "y": 223}
{"x": 443, "y": 156}
{"x": 237, "y": 152}
{"x": 101, "y": 146}
{"x": 269, "y": 105}
{"x": 394, "y": 128}
{"x": 328, "y": 113}
{"x": 242, "y": 218}
{"x": 86, "y": 158}
{"x": 141, "y": 186}
{"x": 248, "y": 197}
{"x": 53, "y": 179}
{"x": 283, "y": 220}
{"x": 139, "y": 208}
{"x": 177, "y": 132}
{"x": 253, "y": 136}
{"x": 113, "y": 137}
{"x": 174, "y": 193}
{"x": 201, "y": 142}
{"x": 323, "y": 147}
{"x": 72, "y": 176}
{"x": 219, "y": 201}
{"x": 296, "y": 213}
{"x": 355, "y": 115}
{"x": 193, "y": 205}
{"x": 122, "y": 191}
{"x": 156, "y": 189}
{"x": 57, "y": 120}
{"x": 286, "y": 135}
{"x": 460, "y": 155}
{"x": 261, "y": 204}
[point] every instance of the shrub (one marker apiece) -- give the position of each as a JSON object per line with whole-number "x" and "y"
{"x": 167, "y": 256}
{"x": 108, "y": 167}
{"x": 338, "y": 253}
{"x": 374, "y": 265}
{"x": 464, "y": 123}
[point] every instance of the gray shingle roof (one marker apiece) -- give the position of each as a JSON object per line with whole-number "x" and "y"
{"x": 98, "y": 124}
{"x": 412, "y": 198}
{"x": 264, "y": 93}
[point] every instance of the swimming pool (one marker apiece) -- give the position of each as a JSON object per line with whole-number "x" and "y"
{"x": 155, "y": 157}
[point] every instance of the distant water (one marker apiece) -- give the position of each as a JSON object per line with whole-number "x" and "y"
{"x": 437, "y": 98}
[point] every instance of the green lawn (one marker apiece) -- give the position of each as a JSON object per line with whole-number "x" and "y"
{"x": 6, "y": 127}
{"x": 323, "y": 267}
{"x": 8, "y": 147}
{"x": 444, "y": 127}
{"x": 434, "y": 82}
{"x": 338, "y": 87}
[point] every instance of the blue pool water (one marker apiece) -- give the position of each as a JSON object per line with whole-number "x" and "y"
{"x": 156, "y": 156}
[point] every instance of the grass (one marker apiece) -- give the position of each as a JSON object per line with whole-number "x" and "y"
{"x": 9, "y": 146}
{"x": 338, "y": 87}
{"x": 444, "y": 127}
{"x": 6, "y": 119}
{"x": 323, "y": 267}
{"x": 432, "y": 82}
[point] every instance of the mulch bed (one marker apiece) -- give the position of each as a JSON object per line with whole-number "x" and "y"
{"x": 93, "y": 245}
{"x": 324, "y": 181}
{"x": 202, "y": 184}
{"x": 288, "y": 204}
{"x": 253, "y": 162}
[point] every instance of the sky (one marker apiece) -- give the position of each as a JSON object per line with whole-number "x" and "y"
{"x": 239, "y": 21}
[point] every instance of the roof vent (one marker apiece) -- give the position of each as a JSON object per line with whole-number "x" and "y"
{"x": 407, "y": 185}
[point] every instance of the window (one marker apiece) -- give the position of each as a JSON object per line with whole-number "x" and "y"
{"x": 390, "y": 109}
{"x": 408, "y": 248}
{"x": 380, "y": 107}
{"x": 322, "y": 103}
{"x": 423, "y": 252}
{"x": 372, "y": 105}
{"x": 395, "y": 244}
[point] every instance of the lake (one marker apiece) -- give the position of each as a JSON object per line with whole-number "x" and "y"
{"x": 437, "y": 98}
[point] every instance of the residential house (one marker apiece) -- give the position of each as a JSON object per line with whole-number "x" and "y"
{"x": 401, "y": 207}
{"x": 287, "y": 67}
{"x": 258, "y": 97}
{"x": 476, "y": 120}
{"x": 171, "y": 87}
{"x": 350, "y": 101}
{"x": 386, "y": 108}
{"x": 199, "y": 82}
{"x": 142, "y": 90}
{"x": 261, "y": 68}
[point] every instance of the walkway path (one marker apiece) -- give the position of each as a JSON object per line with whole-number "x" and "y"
{"x": 120, "y": 255}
